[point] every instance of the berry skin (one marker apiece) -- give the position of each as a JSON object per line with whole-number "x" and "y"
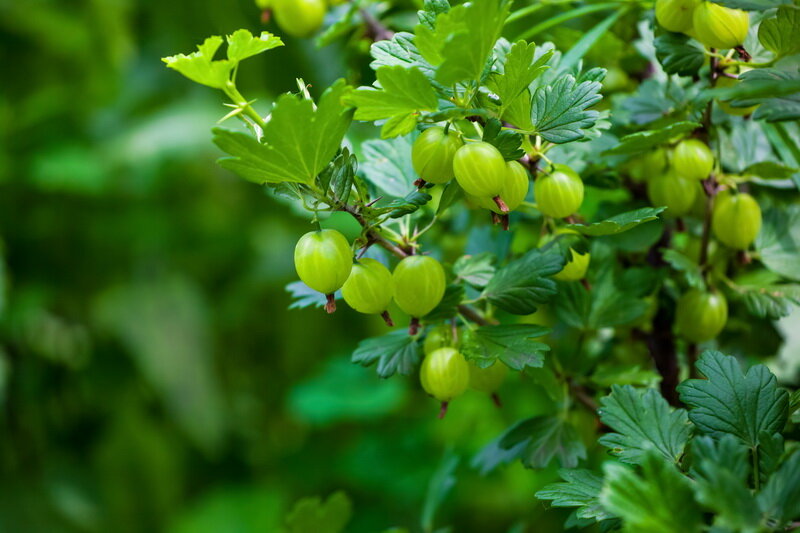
{"x": 675, "y": 15}
{"x": 439, "y": 337}
{"x": 480, "y": 169}
{"x": 575, "y": 269}
{"x": 489, "y": 379}
{"x": 323, "y": 260}
{"x": 515, "y": 189}
{"x": 444, "y": 374}
{"x": 700, "y": 316}
{"x": 432, "y": 154}
{"x": 653, "y": 163}
{"x": 560, "y": 193}
{"x": 369, "y": 289}
{"x": 736, "y": 219}
{"x": 673, "y": 191}
{"x": 724, "y": 81}
{"x": 717, "y": 26}
{"x": 692, "y": 159}
{"x": 419, "y": 284}
{"x": 299, "y": 18}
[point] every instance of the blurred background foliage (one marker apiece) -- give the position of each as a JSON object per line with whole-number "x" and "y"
{"x": 151, "y": 378}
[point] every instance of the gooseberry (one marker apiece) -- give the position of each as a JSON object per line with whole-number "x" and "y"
{"x": 559, "y": 193}
{"x": 480, "y": 169}
{"x": 432, "y": 154}
{"x": 717, "y": 26}
{"x": 692, "y": 159}
{"x": 299, "y": 18}
{"x": 419, "y": 284}
{"x": 369, "y": 288}
{"x": 700, "y": 315}
{"x": 736, "y": 219}
{"x": 673, "y": 191}
{"x": 444, "y": 375}
{"x": 323, "y": 260}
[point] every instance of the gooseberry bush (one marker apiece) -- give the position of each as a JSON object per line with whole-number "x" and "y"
{"x": 629, "y": 255}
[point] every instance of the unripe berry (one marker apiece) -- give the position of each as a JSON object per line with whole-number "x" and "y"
{"x": 419, "y": 284}
{"x": 515, "y": 189}
{"x": 717, "y": 26}
{"x": 700, "y": 316}
{"x": 444, "y": 374}
{"x": 692, "y": 159}
{"x": 673, "y": 191}
{"x": 575, "y": 269}
{"x": 560, "y": 193}
{"x": 432, "y": 154}
{"x": 480, "y": 169}
{"x": 299, "y": 18}
{"x": 487, "y": 379}
{"x": 644, "y": 167}
{"x": 369, "y": 288}
{"x": 323, "y": 260}
{"x": 736, "y": 220}
{"x": 675, "y": 15}
{"x": 439, "y": 337}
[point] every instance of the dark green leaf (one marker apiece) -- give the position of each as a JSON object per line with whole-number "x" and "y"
{"x": 780, "y": 499}
{"x": 581, "y": 488}
{"x": 779, "y": 33}
{"x": 304, "y": 296}
{"x": 731, "y": 402}
{"x": 643, "y": 141}
{"x": 679, "y": 54}
{"x": 440, "y": 485}
{"x": 314, "y": 515}
{"x": 681, "y": 263}
{"x": 778, "y": 243}
{"x": 643, "y": 421}
{"x": 477, "y": 270}
{"x": 339, "y": 176}
{"x": 771, "y": 301}
{"x": 752, "y": 5}
{"x": 512, "y": 344}
{"x": 450, "y": 195}
{"x": 522, "y": 284}
{"x": 507, "y": 141}
{"x": 448, "y": 307}
{"x": 546, "y": 438}
{"x": 618, "y": 223}
{"x": 395, "y": 352}
{"x": 559, "y": 111}
{"x": 412, "y": 201}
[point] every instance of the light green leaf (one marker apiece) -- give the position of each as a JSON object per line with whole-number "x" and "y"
{"x": 779, "y": 34}
{"x": 771, "y": 301}
{"x": 521, "y": 67}
{"x": 466, "y": 52}
{"x": 431, "y": 37}
{"x": 242, "y": 44}
{"x": 399, "y": 125}
{"x": 643, "y": 420}
{"x": 643, "y": 141}
{"x": 559, "y": 111}
{"x": 477, "y": 270}
{"x": 523, "y": 283}
{"x": 618, "y": 223}
{"x": 691, "y": 270}
{"x": 778, "y": 243}
{"x": 313, "y": 515}
{"x": 440, "y": 485}
{"x": 298, "y": 142}
{"x": 660, "y": 500}
{"x": 512, "y": 344}
{"x": 395, "y": 352}
{"x": 200, "y": 66}
{"x": 731, "y": 402}
{"x": 386, "y": 164}
{"x": 402, "y": 91}
{"x": 581, "y": 488}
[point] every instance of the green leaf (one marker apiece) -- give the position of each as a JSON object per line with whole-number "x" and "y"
{"x": 430, "y": 10}
{"x": 304, "y": 296}
{"x": 466, "y": 52}
{"x": 409, "y": 204}
{"x": 440, "y": 485}
{"x": 752, "y": 5}
{"x": 512, "y": 344}
{"x": 618, "y": 223}
{"x": 660, "y": 500}
{"x": 522, "y": 284}
{"x": 779, "y": 33}
{"x": 520, "y": 68}
{"x": 679, "y": 54}
{"x": 395, "y": 352}
{"x": 591, "y": 37}
{"x": 399, "y": 50}
{"x": 506, "y": 141}
{"x": 450, "y": 195}
{"x": 770, "y": 451}
{"x": 644, "y": 141}
{"x": 769, "y": 170}
{"x": 776, "y": 92}
{"x": 559, "y": 111}
{"x": 691, "y": 270}
{"x": 339, "y": 175}
{"x": 200, "y": 66}
{"x": 386, "y": 164}
{"x": 546, "y": 438}
{"x": 731, "y": 402}
{"x": 721, "y": 470}
{"x": 778, "y": 243}
{"x": 313, "y": 515}
{"x": 780, "y": 499}
{"x": 431, "y": 35}
{"x": 608, "y": 374}
{"x": 643, "y": 420}
{"x": 448, "y": 307}
{"x": 402, "y": 93}
{"x": 771, "y": 301}
{"x": 298, "y": 142}
{"x": 242, "y": 44}
{"x": 477, "y": 270}
{"x": 581, "y": 488}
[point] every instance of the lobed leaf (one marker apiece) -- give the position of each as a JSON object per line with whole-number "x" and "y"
{"x": 395, "y": 352}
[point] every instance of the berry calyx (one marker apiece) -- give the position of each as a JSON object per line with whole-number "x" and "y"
{"x": 369, "y": 288}
{"x": 480, "y": 169}
{"x": 419, "y": 284}
{"x": 323, "y": 260}
{"x": 717, "y": 26}
{"x": 700, "y": 316}
{"x": 675, "y": 15}
{"x": 432, "y": 154}
{"x": 299, "y": 18}
{"x": 515, "y": 189}
{"x": 692, "y": 159}
{"x": 736, "y": 219}
{"x": 444, "y": 375}
{"x": 673, "y": 191}
{"x": 560, "y": 193}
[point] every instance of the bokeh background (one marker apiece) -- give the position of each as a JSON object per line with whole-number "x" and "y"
{"x": 151, "y": 378}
